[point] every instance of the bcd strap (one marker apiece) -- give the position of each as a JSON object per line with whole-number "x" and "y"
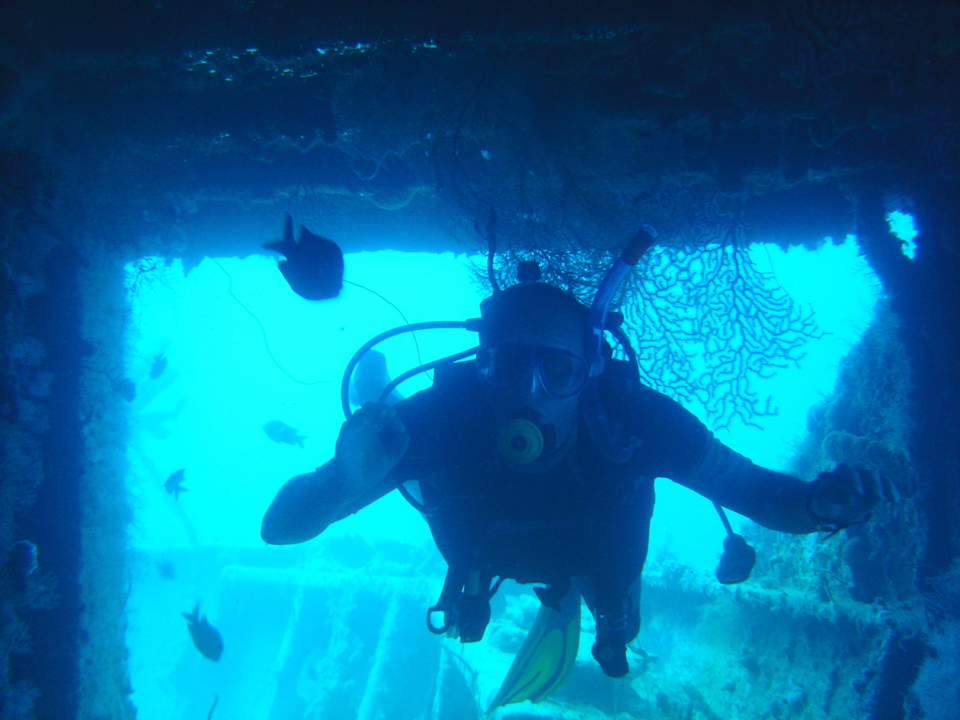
{"x": 452, "y": 589}
{"x": 465, "y": 606}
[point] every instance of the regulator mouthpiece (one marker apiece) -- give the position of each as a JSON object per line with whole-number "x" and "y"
{"x": 520, "y": 441}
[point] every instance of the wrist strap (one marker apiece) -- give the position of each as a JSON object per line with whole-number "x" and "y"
{"x": 832, "y": 528}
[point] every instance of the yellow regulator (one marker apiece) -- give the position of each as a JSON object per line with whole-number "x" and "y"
{"x": 520, "y": 441}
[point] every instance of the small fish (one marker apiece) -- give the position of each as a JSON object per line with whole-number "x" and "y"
{"x": 314, "y": 265}
{"x": 159, "y": 365}
{"x": 282, "y": 433}
{"x": 206, "y": 638}
{"x": 174, "y": 483}
{"x": 21, "y": 563}
{"x": 369, "y": 379}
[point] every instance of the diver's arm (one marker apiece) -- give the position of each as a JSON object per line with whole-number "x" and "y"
{"x": 775, "y": 500}
{"x": 834, "y": 500}
{"x": 303, "y": 508}
{"x": 369, "y": 446}
{"x": 307, "y": 504}
{"x": 678, "y": 446}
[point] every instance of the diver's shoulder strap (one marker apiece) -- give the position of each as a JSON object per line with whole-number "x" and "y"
{"x": 609, "y": 408}
{"x": 621, "y": 390}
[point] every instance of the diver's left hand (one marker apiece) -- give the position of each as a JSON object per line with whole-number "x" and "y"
{"x": 846, "y": 494}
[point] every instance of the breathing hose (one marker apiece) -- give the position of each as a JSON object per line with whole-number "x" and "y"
{"x": 473, "y": 325}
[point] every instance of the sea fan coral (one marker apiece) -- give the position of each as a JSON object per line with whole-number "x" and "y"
{"x": 705, "y": 323}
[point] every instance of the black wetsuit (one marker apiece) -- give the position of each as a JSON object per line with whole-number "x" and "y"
{"x": 588, "y": 516}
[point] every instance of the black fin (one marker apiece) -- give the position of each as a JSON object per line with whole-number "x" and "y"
{"x": 194, "y": 617}
{"x": 287, "y": 244}
{"x": 283, "y": 247}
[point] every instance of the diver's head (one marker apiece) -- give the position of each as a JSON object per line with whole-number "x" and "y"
{"x": 531, "y": 360}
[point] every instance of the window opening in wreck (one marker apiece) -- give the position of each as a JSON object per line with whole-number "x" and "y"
{"x": 219, "y": 352}
{"x": 903, "y": 226}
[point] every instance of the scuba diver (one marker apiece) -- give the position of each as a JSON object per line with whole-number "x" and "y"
{"x": 536, "y": 461}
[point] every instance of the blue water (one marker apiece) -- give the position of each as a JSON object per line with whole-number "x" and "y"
{"x": 280, "y": 609}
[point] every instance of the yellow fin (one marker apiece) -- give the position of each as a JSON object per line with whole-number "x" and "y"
{"x": 546, "y": 656}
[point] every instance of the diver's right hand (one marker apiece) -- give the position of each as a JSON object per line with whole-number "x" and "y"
{"x": 369, "y": 446}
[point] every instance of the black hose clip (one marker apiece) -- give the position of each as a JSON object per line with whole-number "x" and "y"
{"x": 465, "y": 607}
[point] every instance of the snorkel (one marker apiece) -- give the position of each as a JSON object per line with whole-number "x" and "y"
{"x": 612, "y": 447}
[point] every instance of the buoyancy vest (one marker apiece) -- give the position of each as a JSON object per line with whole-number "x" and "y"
{"x": 587, "y": 516}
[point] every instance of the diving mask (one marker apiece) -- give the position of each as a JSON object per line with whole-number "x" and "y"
{"x": 561, "y": 373}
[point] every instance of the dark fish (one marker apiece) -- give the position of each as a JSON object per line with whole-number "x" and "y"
{"x": 282, "y": 433}
{"x": 21, "y": 563}
{"x": 314, "y": 265}
{"x": 206, "y": 638}
{"x": 159, "y": 365}
{"x": 174, "y": 483}
{"x": 370, "y": 378}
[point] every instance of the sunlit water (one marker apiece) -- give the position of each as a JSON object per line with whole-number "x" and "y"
{"x": 227, "y": 375}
